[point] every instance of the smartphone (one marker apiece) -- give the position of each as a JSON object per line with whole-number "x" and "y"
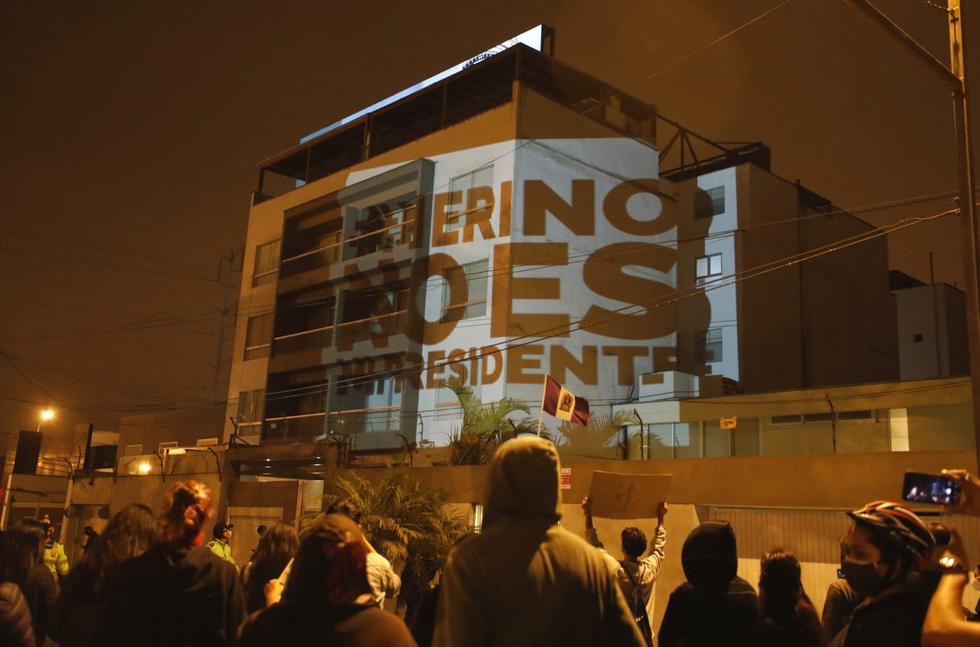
{"x": 930, "y": 488}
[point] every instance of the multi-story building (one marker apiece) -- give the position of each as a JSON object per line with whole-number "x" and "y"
{"x": 512, "y": 221}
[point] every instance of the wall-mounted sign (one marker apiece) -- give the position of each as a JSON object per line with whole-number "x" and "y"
{"x": 728, "y": 423}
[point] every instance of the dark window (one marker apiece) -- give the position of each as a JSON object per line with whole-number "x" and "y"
{"x": 476, "y": 294}
{"x": 266, "y": 262}
{"x": 708, "y": 345}
{"x": 917, "y": 338}
{"x": 251, "y": 407}
{"x": 258, "y": 337}
{"x": 786, "y": 420}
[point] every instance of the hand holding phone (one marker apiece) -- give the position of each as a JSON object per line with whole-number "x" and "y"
{"x": 930, "y": 488}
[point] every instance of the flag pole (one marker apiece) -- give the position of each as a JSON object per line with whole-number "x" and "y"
{"x": 544, "y": 390}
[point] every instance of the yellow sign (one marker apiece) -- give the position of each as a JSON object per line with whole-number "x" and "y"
{"x": 728, "y": 423}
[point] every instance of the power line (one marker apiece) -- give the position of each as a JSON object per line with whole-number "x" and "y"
{"x": 111, "y": 250}
{"x": 713, "y": 42}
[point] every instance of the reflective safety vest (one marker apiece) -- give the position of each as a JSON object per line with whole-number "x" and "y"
{"x": 222, "y": 550}
{"x": 55, "y": 559}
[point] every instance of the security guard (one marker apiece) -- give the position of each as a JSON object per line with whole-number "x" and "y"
{"x": 221, "y": 544}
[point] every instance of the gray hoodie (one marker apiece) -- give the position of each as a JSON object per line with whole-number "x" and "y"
{"x": 525, "y": 581}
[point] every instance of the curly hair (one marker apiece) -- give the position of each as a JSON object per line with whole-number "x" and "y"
{"x": 186, "y": 508}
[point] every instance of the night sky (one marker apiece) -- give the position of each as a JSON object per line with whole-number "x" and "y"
{"x": 130, "y": 129}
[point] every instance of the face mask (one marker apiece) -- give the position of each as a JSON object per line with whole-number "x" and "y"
{"x": 863, "y": 576}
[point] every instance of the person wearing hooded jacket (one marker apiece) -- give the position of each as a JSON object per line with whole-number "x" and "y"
{"x": 525, "y": 581}
{"x": 715, "y": 606}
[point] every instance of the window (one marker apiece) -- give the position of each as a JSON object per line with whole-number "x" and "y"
{"x": 462, "y": 184}
{"x": 710, "y": 202}
{"x": 258, "y": 337}
{"x": 251, "y": 408}
{"x": 207, "y": 442}
{"x": 707, "y": 266}
{"x": 717, "y": 195}
{"x": 170, "y": 444}
{"x": 810, "y": 418}
{"x": 786, "y": 420}
{"x": 132, "y": 450}
{"x": 708, "y": 345}
{"x": 266, "y": 262}
{"x": 856, "y": 416}
{"x": 917, "y": 338}
{"x": 476, "y": 294}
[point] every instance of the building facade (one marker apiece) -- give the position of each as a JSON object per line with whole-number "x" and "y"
{"x": 510, "y": 222}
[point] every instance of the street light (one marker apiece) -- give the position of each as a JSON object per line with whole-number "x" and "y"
{"x": 46, "y": 415}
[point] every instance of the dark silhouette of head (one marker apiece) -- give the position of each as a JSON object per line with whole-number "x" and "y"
{"x": 186, "y": 508}
{"x": 21, "y": 548}
{"x": 346, "y": 507}
{"x": 780, "y": 587}
{"x": 634, "y": 542}
{"x": 331, "y": 564}
{"x": 709, "y": 556}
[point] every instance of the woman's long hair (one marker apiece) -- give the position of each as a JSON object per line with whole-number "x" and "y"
{"x": 21, "y": 547}
{"x": 277, "y": 545}
{"x": 331, "y": 564}
{"x": 129, "y": 534}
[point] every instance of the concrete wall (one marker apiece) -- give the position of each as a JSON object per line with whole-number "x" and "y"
{"x": 932, "y": 331}
{"x": 185, "y": 426}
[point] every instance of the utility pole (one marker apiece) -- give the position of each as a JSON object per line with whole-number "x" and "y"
{"x": 955, "y": 78}
{"x": 229, "y": 306}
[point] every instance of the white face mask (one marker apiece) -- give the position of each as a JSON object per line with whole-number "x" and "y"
{"x": 975, "y": 584}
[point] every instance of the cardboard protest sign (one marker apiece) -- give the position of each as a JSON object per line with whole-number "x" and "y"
{"x": 628, "y": 496}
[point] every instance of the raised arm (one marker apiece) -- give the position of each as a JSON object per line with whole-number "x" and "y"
{"x": 655, "y": 554}
{"x": 591, "y": 535}
{"x": 945, "y": 624}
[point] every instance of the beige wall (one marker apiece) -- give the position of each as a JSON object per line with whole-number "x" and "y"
{"x": 185, "y": 426}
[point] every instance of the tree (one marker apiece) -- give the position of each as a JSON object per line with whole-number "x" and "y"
{"x": 597, "y": 439}
{"x": 484, "y": 427}
{"x": 407, "y": 523}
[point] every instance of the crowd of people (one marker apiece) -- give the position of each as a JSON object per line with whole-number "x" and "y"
{"x": 525, "y": 580}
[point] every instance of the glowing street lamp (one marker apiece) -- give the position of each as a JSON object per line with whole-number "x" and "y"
{"x": 46, "y": 415}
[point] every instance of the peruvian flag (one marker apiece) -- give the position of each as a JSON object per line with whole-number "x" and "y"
{"x": 562, "y": 403}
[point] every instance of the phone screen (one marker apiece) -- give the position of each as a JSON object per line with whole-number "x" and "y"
{"x": 930, "y": 488}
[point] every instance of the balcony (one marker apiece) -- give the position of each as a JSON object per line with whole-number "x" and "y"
{"x": 479, "y": 88}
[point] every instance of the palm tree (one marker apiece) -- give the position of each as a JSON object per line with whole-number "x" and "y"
{"x": 485, "y": 426}
{"x": 598, "y": 438}
{"x": 406, "y": 522}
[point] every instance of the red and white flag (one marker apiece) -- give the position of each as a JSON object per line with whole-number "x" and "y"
{"x": 562, "y": 403}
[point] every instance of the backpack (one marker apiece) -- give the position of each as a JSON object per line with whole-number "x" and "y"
{"x": 638, "y": 608}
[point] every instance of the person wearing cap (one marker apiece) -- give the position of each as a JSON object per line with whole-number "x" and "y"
{"x": 221, "y": 544}
{"x": 885, "y": 555}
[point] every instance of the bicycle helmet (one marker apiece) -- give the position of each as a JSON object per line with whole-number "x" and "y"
{"x": 898, "y": 525}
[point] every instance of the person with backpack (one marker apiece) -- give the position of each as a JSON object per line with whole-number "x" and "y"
{"x": 637, "y": 577}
